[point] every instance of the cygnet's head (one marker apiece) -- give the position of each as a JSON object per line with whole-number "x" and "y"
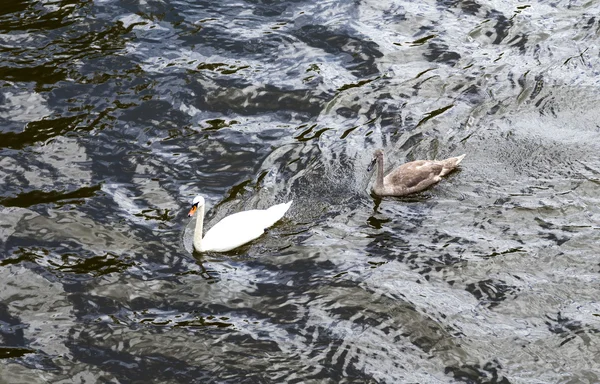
{"x": 377, "y": 155}
{"x": 197, "y": 202}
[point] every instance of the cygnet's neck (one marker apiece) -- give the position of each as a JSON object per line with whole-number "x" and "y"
{"x": 198, "y": 230}
{"x": 379, "y": 179}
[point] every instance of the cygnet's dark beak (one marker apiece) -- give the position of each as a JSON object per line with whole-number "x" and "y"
{"x": 193, "y": 210}
{"x": 370, "y": 167}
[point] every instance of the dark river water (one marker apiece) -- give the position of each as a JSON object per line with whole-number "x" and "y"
{"x": 114, "y": 114}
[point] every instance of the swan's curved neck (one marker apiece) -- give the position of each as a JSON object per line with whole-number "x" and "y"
{"x": 379, "y": 180}
{"x": 198, "y": 230}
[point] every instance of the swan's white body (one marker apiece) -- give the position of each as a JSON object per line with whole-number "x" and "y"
{"x": 234, "y": 230}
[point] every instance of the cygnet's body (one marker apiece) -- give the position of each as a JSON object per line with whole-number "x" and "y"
{"x": 234, "y": 230}
{"x": 411, "y": 177}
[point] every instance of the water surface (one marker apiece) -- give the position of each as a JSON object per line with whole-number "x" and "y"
{"x": 114, "y": 114}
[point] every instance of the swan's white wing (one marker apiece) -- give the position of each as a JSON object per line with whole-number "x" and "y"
{"x": 242, "y": 227}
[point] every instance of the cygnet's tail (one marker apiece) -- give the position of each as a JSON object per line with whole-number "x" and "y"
{"x": 276, "y": 212}
{"x": 451, "y": 163}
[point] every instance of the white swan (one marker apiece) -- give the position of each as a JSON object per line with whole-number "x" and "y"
{"x": 410, "y": 177}
{"x": 234, "y": 230}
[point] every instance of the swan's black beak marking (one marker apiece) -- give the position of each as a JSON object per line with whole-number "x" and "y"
{"x": 370, "y": 167}
{"x": 193, "y": 210}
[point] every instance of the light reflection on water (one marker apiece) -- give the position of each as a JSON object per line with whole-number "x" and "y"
{"x": 114, "y": 115}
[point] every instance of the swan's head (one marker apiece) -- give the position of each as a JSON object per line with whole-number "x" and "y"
{"x": 197, "y": 202}
{"x": 377, "y": 155}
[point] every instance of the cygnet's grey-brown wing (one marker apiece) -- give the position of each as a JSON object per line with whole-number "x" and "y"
{"x": 414, "y": 176}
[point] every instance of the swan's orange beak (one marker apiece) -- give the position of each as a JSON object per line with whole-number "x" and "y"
{"x": 192, "y": 211}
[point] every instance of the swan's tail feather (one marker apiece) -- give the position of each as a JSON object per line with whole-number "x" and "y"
{"x": 276, "y": 212}
{"x": 451, "y": 163}
{"x": 458, "y": 159}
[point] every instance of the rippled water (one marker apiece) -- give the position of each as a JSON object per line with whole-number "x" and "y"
{"x": 115, "y": 113}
